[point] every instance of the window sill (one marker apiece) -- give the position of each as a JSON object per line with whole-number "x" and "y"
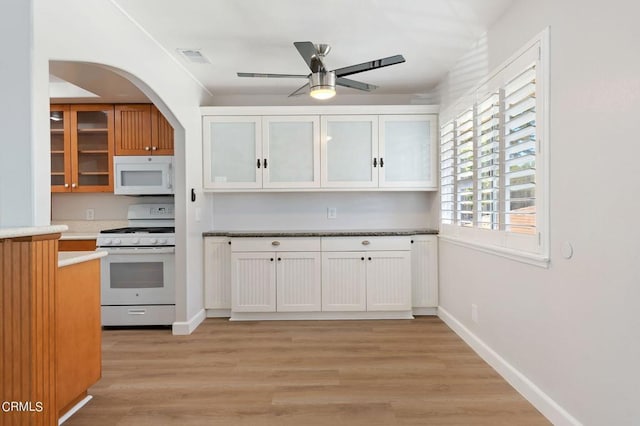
{"x": 516, "y": 255}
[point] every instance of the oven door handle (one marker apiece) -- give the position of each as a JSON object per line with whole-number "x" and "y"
{"x": 138, "y": 250}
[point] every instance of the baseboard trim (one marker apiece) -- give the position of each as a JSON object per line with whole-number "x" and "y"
{"x": 424, "y": 311}
{"x": 543, "y": 402}
{"x": 183, "y": 328}
{"x": 74, "y": 409}
{"x": 278, "y": 316}
{"x": 218, "y": 313}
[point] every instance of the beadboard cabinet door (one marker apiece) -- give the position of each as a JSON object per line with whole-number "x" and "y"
{"x": 344, "y": 281}
{"x": 253, "y": 282}
{"x": 388, "y": 280}
{"x": 298, "y": 282}
{"x": 424, "y": 271}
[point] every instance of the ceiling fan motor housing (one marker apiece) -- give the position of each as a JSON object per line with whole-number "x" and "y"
{"x": 322, "y": 80}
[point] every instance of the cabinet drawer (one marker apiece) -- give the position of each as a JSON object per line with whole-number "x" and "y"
{"x": 365, "y": 243}
{"x": 275, "y": 244}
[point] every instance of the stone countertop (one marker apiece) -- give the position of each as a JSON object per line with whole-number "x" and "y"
{"x": 6, "y": 233}
{"x": 335, "y": 233}
{"x": 66, "y": 258}
{"x": 79, "y": 236}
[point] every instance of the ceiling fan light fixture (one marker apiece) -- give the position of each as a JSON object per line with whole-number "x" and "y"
{"x": 322, "y": 85}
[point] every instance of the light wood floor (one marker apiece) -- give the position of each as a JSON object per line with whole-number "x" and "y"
{"x": 300, "y": 373}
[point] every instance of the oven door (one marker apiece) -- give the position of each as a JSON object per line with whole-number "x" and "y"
{"x": 139, "y": 175}
{"x": 138, "y": 276}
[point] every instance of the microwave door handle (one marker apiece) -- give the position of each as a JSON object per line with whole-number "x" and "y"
{"x": 169, "y": 178}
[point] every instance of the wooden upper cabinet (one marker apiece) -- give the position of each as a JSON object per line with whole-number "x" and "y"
{"x": 142, "y": 130}
{"x": 82, "y": 148}
{"x": 161, "y": 133}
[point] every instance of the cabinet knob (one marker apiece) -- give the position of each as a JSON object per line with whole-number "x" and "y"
{"x": 279, "y": 259}
{"x": 73, "y": 185}
{"x": 154, "y": 148}
{"x": 381, "y": 162}
{"x": 146, "y": 148}
{"x": 271, "y": 259}
{"x": 369, "y": 258}
{"x": 275, "y": 243}
{"x": 366, "y": 242}
{"x": 362, "y": 258}
{"x": 66, "y": 185}
{"x": 375, "y": 162}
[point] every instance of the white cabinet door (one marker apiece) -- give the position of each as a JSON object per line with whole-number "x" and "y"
{"x": 253, "y": 282}
{"x": 217, "y": 273}
{"x": 291, "y": 151}
{"x": 344, "y": 281}
{"x": 407, "y": 151}
{"x": 349, "y": 151}
{"x": 232, "y": 151}
{"x": 298, "y": 281}
{"x": 424, "y": 271}
{"x": 388, "y": 280}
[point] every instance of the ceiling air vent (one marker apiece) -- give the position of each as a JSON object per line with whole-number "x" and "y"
{"x": 194, "y": 55}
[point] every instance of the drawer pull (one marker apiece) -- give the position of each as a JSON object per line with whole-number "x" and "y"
{"x": 275, "y": 243}
{"x": 137, "y": 311}
{"x": 366, "y": 242}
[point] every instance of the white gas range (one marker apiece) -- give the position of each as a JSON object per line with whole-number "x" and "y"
{"x": 138, "y": 275}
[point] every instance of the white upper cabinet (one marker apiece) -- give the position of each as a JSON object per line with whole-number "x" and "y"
{"x": 291, "y": 148}
{"x": 330, "y": 148}
{"x": 406, "y": 149}
{"x": 349, "y": 150}
{"x": 232, "y": 152}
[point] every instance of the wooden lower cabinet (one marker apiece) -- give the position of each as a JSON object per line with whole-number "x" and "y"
{"x": 78, "y": 332}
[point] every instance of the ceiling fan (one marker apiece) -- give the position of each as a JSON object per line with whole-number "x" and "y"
{"x": 322, "y": 82}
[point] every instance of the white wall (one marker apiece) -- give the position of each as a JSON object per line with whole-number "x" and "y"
{"x": 17, "y": 197}
{"x": 72, "y": 206}
{"x": 571, "y": 329}
{"x": 302, "y": 211}
{"x": 99, "y": 32}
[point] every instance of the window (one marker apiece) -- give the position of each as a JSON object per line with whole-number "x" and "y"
{"x": 492, "y": 164}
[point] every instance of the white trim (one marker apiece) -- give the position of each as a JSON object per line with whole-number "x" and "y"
{"x": 425, "y": 311}
{"x": 74, "y": 409}
{"x": 330, "y": 189}
{"x": 536, "y": 396}
{"x": 517, "y": 255}
{"x": 276, "y": 316}
{"x": 184, "y": 328}
{"x": 322, "y": 110}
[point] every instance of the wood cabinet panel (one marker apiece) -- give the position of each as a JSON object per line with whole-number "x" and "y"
{"x": 298, "y": 282}
{"x": 161, "y": 134}
{"x": 253, "y": 280}
{"x": 78, "y": 331}
{"x": 344, "y": 281}
{"x": 388, "y": 281}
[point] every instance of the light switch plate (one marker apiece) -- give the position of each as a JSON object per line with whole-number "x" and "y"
{"x": 332, "y": 213}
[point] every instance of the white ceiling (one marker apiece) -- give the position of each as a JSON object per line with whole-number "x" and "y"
{"x": 258, "y": 35}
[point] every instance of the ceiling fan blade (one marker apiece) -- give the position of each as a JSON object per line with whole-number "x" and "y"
{"x": 255, "y": 74}
{"x": 346, "y": 82}
{"x": 302, "y": 90}
{"x": 371, "y": 65}
{"x": 310, "y": 55}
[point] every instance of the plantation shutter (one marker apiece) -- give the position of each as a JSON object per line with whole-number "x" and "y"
{"x": 447, "y": 167}
{"x": 488, "y": 162}
{"x": 464, "y": 168}
{"x": 520, "y": 152}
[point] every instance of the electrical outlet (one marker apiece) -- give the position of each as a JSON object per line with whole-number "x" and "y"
{"x": 474, "y": 313}
{"x": 332, "y": 213}
{"x": 89, "y": 214}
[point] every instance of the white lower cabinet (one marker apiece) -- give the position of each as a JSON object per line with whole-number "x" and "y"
{"x": 298, "y": 282}
{"x": 424, "y": 271}
{"x": 389, "y": 281}
{"x": 217, "y": 274}
{"x": 344, "y": 282}
{"x": 253, "y": 282}
{"x": 321, "y": 276}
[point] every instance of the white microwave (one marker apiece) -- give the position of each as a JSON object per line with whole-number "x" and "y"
{"x": 143, "y": 175}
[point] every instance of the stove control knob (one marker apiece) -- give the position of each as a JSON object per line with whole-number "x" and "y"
{"x": 116, "y": 241}
{"x": 153, "y": 241}
{"x": 135, "y": 241}
{"x": 162, "y": 241}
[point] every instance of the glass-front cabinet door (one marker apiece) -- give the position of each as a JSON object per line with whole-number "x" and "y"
{"x": 232, "y": 152}
{"x": 59, "y": 124}
{"x": 349, "y": 151}
{"x": 291, "y": 151}
{"x": 407, "y": 156}
{"x": 92, "y": 147}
